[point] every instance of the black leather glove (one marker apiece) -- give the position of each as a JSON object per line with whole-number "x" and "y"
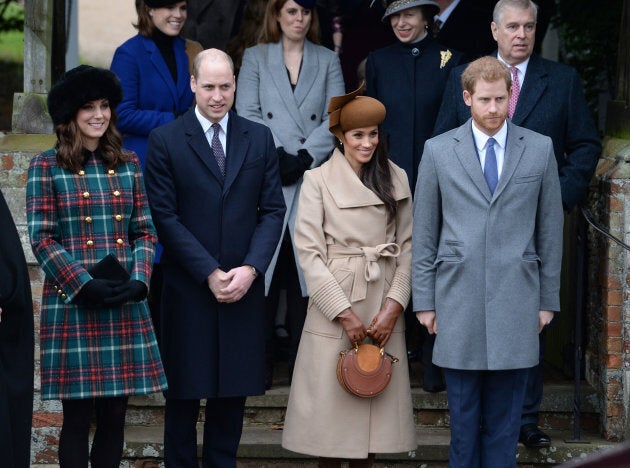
{"x": 94, "y": 292}
{"x": 305, "y": 158}
{"x": 132, "y": 290}
{"x": 291, "y": 168}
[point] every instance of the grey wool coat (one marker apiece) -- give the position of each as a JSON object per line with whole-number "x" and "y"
{"x": 297, "y": 119}
{"x": 351, "y": 257}
{"x": 487, "y": 263}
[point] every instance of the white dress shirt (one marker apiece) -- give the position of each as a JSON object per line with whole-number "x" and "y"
{"x": 481, "y": 142}
{"x": 209, "y": 131}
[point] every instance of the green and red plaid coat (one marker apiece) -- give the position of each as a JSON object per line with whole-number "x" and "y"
{"x": 74, "y": 220}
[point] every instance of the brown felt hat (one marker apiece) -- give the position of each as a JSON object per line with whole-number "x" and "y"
{"x": 354, "y": 111}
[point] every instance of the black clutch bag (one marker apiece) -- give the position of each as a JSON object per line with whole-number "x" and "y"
{"x": 109, "y": 268}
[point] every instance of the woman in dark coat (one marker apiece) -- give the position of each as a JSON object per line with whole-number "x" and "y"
{"x": 409, "y": 78}
{"x": 16, "y": 347}
{"x": 85, "y": 199}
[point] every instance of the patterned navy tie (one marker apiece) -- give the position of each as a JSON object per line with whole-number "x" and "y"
{"x": 490, "y": 171}
{"x": 217, "y": 149}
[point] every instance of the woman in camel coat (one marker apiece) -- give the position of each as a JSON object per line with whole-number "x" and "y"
{"x": 353, "y": 235}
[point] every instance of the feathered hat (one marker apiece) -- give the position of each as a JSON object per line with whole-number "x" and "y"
{"x": 354, "y": 111}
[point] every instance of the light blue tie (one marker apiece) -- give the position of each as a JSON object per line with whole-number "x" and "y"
{"x": 490, "y": 171}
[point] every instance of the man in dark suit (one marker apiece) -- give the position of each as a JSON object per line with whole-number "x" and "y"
{"x": 463, "y": 26}
{"x": 487, "y": 228}
{"x": 213, "y": 22}
{"x": 214, "y": 188}
{"x": 550, "y": 101}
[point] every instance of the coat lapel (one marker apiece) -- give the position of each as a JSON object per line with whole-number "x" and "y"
{"x": 344, "y": 185}
{"x": 160, "y": 66}
{"x": 532, "y": 89}
{"x": 183, "y": 72}
{"x": 237, "y": 147}
{"x": 514, "y": 149}
{"x": 199, "y": 144}
{"x": 308, "y": 73}
{"x": 466, "y": 152}
{"x": 278, "y": 73}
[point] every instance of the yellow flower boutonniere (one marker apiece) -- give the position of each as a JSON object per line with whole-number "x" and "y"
{"x": 445, "y": 57}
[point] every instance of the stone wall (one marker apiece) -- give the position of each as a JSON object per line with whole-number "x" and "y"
{"x": 608, "y": 310}
{"x": 16, "y": 152}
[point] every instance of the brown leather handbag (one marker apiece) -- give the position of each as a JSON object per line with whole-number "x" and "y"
{"x": 365, "y": 370}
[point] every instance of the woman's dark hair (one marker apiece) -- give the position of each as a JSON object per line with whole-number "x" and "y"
{"x": 376, "y": 175}
{"x": 248, "y": 33}
{"x": 70, "y": 146}
{"x": 145, "y": 24}
{"x": 271, "y": 30}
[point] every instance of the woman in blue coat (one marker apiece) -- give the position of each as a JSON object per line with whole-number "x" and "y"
{"x": 409, "y": 78}
{"x": 154, "y": 68}
{"x": 154, "y": 71}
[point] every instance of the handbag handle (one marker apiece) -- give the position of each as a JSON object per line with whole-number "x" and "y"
{"x": 382, "y": 350}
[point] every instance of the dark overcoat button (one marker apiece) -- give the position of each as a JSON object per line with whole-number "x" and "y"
{"x": 302, "y": 140}
{"x": 269, "y": 115}
{"x": 415, "y": 52}
{"x": 313, "y": 117}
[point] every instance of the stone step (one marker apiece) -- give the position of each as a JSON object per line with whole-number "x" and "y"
{"x": 261, "y": 447}
{"x": 431, "y": 409}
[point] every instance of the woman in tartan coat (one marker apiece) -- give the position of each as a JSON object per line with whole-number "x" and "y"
{"x": 86, "y": 199}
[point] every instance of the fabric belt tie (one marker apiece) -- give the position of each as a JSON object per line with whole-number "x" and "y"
{"x": 371, "y": 268}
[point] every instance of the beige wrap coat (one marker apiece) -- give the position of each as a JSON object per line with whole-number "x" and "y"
{"x": 351, "y": 257}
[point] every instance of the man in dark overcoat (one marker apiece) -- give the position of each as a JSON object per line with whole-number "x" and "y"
{"x": 16, "y": 347}
{"x": 551, "y": 101}
{"x": 215, "y": 194}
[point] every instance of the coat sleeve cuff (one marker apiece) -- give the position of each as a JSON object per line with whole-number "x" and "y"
{"x": 330, "y": 299}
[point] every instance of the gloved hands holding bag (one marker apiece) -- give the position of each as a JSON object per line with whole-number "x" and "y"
{"x": 132, "y": 290}
{"x": 95, "y": 291}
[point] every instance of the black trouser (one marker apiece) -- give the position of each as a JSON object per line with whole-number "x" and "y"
{"x": 221, "y": 432}
{"x": 154, "y": 300}
{"x": 109, "y": 436}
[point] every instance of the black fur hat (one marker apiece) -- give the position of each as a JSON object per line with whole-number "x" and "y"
{"x": 78, "y": 86}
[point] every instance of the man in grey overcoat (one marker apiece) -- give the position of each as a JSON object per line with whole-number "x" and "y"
{"x": 487, "y": 249}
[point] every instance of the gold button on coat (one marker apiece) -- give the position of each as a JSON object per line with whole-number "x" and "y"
{"x": 120, "y": 241}
{"x": 118, "y": 217}
{"x": 116, "y": 193}
{"x": 88, "y": 219}
{"x": 111, "y": 172}
{"x": 86, "y": 194}
{"x": 89, "y": 243}
{"x": 64, "y": 297}
{"x": 81, "y": 172}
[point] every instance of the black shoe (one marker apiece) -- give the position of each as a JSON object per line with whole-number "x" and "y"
{"x": 268, "y": 377}
{"x": 531, "y": 436}
{"x": 432, "y": 379}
